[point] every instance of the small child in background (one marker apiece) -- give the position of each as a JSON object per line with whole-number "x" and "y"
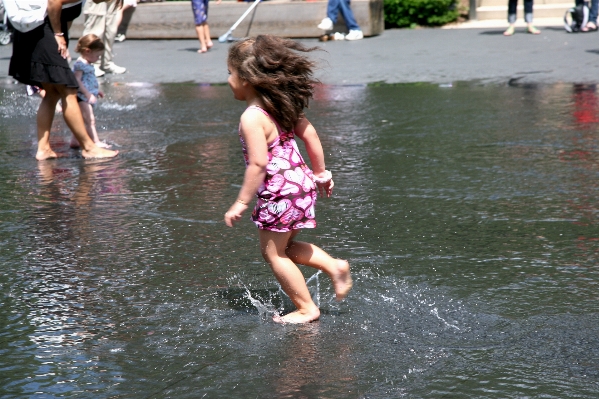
{"x": 275, "y": 80}
{"x": 200, "y": 14}
{"x": 91, "y": 49}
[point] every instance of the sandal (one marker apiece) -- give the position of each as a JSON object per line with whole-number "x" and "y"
{"x": 532, "y": 30}
{"x": 587, "y": 28}
{"x": 509, "y": 31}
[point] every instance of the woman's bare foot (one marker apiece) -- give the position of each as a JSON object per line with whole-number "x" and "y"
{"x": 298, "y": 317}
{"x": 202, "y": 50}
{"x": 98, "y": 152}
{"x": 209, "y": 45}
{"x": 42, "y": 155}
{"x": 102, "y": 144}
{"x": 342, "y": 281}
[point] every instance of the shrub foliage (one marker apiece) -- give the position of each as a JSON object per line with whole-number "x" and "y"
{"x": 402, "y": 13}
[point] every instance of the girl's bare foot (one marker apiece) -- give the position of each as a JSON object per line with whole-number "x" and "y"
{"x": 42, "y": 155}
{"x": 342, "y": 281}
{"x": 202, "y": 50}
{"x": 98, "y": 152}
{"x": 298, "y": 317}
{"x": 209, "y": 45}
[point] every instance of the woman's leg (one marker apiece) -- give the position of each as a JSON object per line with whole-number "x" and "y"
{"x": 45, "y": 117}
{"x": 310, "y": 255}
{"x": 511, "y": 17}
{"x": 74, "y": 120}
{"x": 273, "y": 246}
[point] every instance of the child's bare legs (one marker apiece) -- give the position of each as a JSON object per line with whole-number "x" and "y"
{"x": 273, "y": 246}
{"x": 310, "y": 255}
{"x": 72, "y": 116}
{"x": 200, "y": 30}
{"x": 87, "y": 111}
{"x": 209, "y": 43}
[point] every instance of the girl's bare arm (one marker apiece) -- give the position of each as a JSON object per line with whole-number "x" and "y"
{"x": 306, "y": 132}
{"x": 252, "y": 128}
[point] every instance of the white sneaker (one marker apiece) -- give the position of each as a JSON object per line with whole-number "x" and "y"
{"x": 120, "y": 38}
{"x": 98, "y": 72}
{"x": 114, "y": 68}
{"x": 338, "y": 36}
{"x": 326, "y": 24}
{"x": 355, "y": 34}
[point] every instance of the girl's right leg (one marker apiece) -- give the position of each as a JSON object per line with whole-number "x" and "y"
{"x": 310, "y": 255}
{"x": 87, "y": 111}
{"x": 273, "y": 246}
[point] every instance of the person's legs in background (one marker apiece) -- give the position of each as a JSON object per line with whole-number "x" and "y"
{"x": 355, "y": 33}
{"x": 511, "y": 17}
{"x": 528, "y": 17}
{"x": 591, "y": 25}
{"x": 110, "y": 29}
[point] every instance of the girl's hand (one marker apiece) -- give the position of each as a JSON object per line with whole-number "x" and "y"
{"x": 325, "y": 188}
{"x": 101, "y": 94}
{"x": 62, "y": 46}
{"x": 234, "y": 213}
{"x": 92, "y": 99}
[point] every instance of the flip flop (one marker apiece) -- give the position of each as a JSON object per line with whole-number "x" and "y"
{"x": 532, "y": 30}
{"x": 586, "y": 29}
{"x": 509, "y": 31}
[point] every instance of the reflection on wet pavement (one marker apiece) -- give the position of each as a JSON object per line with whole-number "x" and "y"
{"x": 469, "y": 214}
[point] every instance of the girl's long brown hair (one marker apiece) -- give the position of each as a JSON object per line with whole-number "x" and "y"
{"x": 280, "y": 75}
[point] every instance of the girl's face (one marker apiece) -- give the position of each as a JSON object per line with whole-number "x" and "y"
{"x": 238, "y": 86}
{"x": 91, "y": 56}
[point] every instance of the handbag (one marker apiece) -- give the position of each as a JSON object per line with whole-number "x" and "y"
{"x": 26, "y": 15}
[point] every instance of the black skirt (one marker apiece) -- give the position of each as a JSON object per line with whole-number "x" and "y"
{"x": 35, "y": 57}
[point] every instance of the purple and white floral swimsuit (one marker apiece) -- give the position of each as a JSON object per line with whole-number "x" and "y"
{"x": 288, "y": 194}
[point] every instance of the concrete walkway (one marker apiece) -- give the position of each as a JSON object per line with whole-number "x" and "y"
{"x": 396, "y": 56}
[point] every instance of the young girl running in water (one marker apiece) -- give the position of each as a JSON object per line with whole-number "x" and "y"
{"x": 91, "y": 48}
{"x": 275, "y": 80}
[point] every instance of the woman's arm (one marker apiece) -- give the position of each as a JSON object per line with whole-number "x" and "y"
{"x": 306, "y": 132}
{"x": 252, "y": 129}
{"x": 54, "y": 12}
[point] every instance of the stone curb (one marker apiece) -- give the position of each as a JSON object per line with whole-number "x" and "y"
{"x": 297, "y": 19}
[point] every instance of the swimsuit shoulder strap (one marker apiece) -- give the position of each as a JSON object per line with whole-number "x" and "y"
{"x": 270, "y": 117}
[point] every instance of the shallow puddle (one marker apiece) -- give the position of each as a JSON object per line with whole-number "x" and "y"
{"x": 469, "y": 215}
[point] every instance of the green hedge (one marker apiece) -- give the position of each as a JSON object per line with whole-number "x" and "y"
{"x": 402, "y": 13}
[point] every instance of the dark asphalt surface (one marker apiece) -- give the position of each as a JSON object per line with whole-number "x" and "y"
{"x": 396, "y": 56}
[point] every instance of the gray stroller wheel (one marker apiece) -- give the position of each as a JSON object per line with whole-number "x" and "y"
{"x": 5, "y": 37}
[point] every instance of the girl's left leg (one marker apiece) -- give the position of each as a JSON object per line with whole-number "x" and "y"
{"x": 310, "y": 255}
{"x": 273, "y": 246}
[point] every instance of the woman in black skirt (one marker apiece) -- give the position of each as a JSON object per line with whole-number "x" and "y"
{"x": 39, "y": 58}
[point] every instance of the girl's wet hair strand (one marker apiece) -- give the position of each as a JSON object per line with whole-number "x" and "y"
{"x": 280, "y": 74}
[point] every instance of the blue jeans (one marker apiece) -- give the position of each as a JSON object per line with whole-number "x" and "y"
{"x": 593, "y": 11}
{"x": 511, "y": 12}
{"x": 333, "y": 9}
